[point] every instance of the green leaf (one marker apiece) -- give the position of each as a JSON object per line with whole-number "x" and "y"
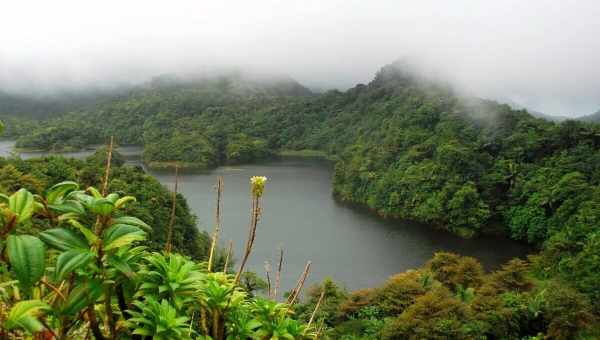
{"x": 143, "y": 332}
{"x": 112, "y": 197}
{"x": 89, "y": 235}
{"x": 84, "y": 294}
{"x": 26, "y": 254}
{"x": 68, "y": 207}
{"x": 58, "y": 191}
{"x": 81, "y": 196}
{"x": 37, "y": 205}
{"x": 23, "y": 315}
{"x": 101, "y": 206}
{"x": 21, "y": 204}
{"x": 72, "y": 260}
{"x": 63, "y": 239}
{"x": 67, "y": 217}
{"x": 94, "y": 192}
{"x": 121, "y": 234}
{"x": 124, "y": 200}
{"x": 133, "y": 221}
{"x": 121, "y": 265}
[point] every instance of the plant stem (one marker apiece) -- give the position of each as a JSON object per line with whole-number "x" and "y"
{"x": 203, "y": 321}
{"x": 296, "y": 292}
{"x": 314, "y": 313}
{"x": 268, "y": 271}
{"x": 278, "y": 274}
{"x": 94, "y": 323}
{"x": 255, "y": 214}
{"x": 110, "y": 317}
{"x": 229, "y": 251}
{"x": 169, "y": 246}
{"x": 107, "y": 168}
{"x": 215, "y": 236}
{"x": 121, "y": 301}
{"x": 216, "y": 319}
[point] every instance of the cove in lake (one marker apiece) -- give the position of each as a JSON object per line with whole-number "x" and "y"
{"x": 350, "y": 245}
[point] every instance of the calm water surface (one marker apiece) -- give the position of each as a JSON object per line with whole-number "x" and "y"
{"x": 347, "y": 244}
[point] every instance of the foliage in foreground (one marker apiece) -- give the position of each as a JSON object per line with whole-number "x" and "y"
{"x": 153, "y": 205}
{"x": 87, "y": 272}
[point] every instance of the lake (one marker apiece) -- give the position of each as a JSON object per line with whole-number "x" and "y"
{"x": 348, "y": 244}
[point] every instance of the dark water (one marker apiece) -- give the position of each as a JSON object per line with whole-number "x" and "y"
{"x": 350, "y": 245}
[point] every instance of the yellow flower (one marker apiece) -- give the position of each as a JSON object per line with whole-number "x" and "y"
{"x": 258, "y": 185}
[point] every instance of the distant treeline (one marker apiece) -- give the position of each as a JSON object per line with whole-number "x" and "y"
{"x": 404, "y": 146}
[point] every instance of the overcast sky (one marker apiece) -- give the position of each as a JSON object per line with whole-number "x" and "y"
{"x": 542, "y": 54}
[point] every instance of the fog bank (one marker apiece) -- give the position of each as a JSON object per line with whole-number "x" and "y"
{"x": 540, "y": 54}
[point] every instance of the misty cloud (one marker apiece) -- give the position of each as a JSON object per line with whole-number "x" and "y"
{"x": 541, "y": 54}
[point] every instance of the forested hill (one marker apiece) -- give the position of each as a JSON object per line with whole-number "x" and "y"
{"x": 594, "y": 117}
{"x": 46, "y": 106}
{"x": 404, "y": 146}
{"x": 407, "y": 146}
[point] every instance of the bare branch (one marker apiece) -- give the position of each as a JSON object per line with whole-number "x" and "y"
{"x": 296, "y": 292}
{"x": 278, "y": 274}
{"x": 268, "y": 271}
{"x": 314, "y": 313}
{"x": 229, "y": 254}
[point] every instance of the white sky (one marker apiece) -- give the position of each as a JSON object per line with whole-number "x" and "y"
{"x": 542, "y": 54}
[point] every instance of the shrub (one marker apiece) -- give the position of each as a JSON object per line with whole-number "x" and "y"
{"x": 454, "y": 270}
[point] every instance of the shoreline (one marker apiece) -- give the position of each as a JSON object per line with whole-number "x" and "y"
{"x": 163, "y": 166}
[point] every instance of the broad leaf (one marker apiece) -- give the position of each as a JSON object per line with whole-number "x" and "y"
{"x": 84, "y": 293}
{"x": 101, "y": 206}
{"x": 124, "y": 200}
{"x": 68, "y": 207}
{"x": 87, "y": 233}
{"x": 67, "y": 217}
{"x": 112, "y": 197}
{"x": 21, "y": 204}
{"x": 121, "y": 234}
{"x": 94, "y": 192}
{"x": 121, "y": 266}
{"x": 23, "y": 315}
{"x": 81, "y": 196}
{"x": 63, "y": 239}
{"x": 58, "y": 191}
{"x": 27, "y": 257}
{"x": 134, "y": 221}
{"x": 72, "y": 260}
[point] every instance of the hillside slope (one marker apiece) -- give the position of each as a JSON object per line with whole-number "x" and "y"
{"x": 594, "y": 117}
{"x": 405, "y": 147}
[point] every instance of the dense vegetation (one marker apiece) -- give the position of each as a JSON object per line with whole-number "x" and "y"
{"x": 43, "y": 106}
{"x": 451, "y": 297}
{"x": 154, "y": 200}
{"x": 405, "y": 147}
{"x": 77, "y": 264}
{"x": 192, "y": 122}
